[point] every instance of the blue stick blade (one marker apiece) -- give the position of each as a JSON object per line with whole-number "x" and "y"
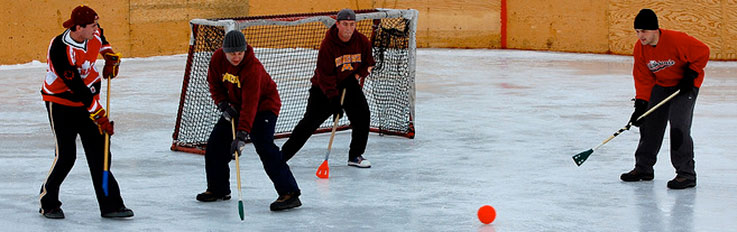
{"x": 104, "y": 182}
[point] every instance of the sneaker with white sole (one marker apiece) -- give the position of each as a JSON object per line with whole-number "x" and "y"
{"x": 359, "y": 162}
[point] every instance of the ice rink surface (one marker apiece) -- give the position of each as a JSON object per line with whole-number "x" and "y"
{"x": 494, "y": 127}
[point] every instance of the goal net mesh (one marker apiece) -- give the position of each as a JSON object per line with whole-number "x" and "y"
{"x": 287, "y": 46}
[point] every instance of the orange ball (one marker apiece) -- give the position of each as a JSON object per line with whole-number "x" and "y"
{"x": 486, "y": 214}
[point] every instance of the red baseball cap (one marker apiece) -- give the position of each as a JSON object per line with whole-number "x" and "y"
{"x": 81, "y": 15}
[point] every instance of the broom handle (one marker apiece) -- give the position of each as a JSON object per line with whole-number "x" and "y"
{"x": 237, "y": 162}
{"x": 105, "y": 166}
{"x": 335, "y": 126}
{"x": 627, "y": 127}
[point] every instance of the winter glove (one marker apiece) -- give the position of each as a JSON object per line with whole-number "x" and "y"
{"x": 103, "y": 123}
{"x": 238, "y": 143}
{"x": 229, "y": 112}
{"x": 640, "y": 108}
{"x": 686, "y": 85}
{"x": 336, "y": 107}
{"x": 112, "y": 62}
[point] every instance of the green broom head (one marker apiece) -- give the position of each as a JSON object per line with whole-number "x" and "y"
{"x": 581, "y": 157}
{"x": 240, "y": 209}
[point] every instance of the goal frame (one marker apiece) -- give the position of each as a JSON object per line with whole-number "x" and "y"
{"x": 327, "y": 19}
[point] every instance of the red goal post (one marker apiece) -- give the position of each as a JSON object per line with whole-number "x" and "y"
{"x": 287, "y": 46}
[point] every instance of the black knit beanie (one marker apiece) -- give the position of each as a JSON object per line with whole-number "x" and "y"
{"x": 234, "y": 42}
{"x": 646, "y": 20}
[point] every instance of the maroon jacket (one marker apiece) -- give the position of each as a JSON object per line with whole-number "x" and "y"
{"x": 248, "y": 86}
{"x": 338, "y": 60}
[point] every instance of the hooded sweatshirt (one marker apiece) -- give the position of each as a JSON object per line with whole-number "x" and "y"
{"x": 338, "y": 60}
{"x": 247, "y": 86}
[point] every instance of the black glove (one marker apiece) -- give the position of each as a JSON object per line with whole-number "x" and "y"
{"x": 640, "y": 108}
{"x": 686, "y": 85}
{"x": 238, "y": 143}
{"x": 336, "y": 107}
{"x": 229, "y": 112}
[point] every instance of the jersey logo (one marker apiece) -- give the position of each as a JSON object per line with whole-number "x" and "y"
{"x": 656, "y": 66}
{"x": 346, "y": 61}
{"x": 232, "y": 79}
{"x": 84, "y": 71}
{"x": 68, "y": 74}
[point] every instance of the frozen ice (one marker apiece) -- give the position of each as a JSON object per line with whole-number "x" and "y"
{"x": 496, "y": 127}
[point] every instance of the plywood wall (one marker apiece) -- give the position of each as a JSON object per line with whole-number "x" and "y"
{"x": 558, "y": 25}
{"x": 271, "y": 7}
{"x": 442, "y": 23}
{"x": 458, "y": 24}
{"x": 139, "y": 28}
{"x": 27, "y": 27}
{"x": 714, "y": 22}
{"x": 161, "y": 27}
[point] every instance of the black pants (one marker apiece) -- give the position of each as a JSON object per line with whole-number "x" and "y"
{"x": 217, "y": 155}
{"x": 318, "y": 110}
{"x": 679, "y": 112}
{"x": 66, "y": 123}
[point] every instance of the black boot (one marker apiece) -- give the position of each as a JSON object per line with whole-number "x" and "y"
{"x": 208, "y": 196}
{"x": 635, "y": 175}
{"x": 286, "y": 201}
{"x": 123, "y": 212}
{"x": 56, "y": 213}
{"x": 681, "y": 183}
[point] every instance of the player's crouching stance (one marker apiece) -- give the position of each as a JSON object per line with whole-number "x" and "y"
{"x": 246, "y": 94}
{"x": 71, "y": 92}
{"x": 666, "y": 61}
{"x": 345, "y": 57}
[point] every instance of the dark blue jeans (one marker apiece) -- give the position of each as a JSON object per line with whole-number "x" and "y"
{"x": 217, "y": 155}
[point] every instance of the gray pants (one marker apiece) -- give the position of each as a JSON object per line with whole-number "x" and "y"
{"x": 679, "y": 112}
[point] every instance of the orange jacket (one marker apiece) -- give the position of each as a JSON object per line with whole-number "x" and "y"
{"x": 665, "y": 63}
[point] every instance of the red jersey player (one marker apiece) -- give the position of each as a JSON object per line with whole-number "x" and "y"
{"x": 71, "y": 92}
{"x": 665, "y": 61}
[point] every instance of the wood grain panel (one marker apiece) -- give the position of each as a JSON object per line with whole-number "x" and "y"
{"x": 272, "y": 7}
{"x": 701, "y": 19}
{"x": 161, "y": 27}
{"x": 558, "y": 25}
{"x": 28, "y": 26}
{"x": 454, "y": 24}
{"x": 728, "y": 32}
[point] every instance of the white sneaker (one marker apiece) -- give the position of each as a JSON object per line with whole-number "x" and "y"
{"x": 359, "y": 162}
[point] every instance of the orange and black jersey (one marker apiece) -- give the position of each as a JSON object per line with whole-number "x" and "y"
{"x": 72, "y": 78}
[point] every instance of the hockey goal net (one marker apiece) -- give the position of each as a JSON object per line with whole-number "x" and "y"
{"x": 287, "y": 46}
